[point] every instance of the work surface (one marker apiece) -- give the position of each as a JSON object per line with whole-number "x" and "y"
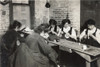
{"x": 92, "y": 51}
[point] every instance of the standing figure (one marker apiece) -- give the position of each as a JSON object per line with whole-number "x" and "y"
{"x": 68, "y": 32}
{"x": 9, "y": 40}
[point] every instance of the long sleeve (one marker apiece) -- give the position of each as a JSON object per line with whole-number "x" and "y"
{"x": 73, "y": 33}
{"x": 82, "y": 34}
{"x": 52, "y": 30}
{"x": 98, "y": 36}
{"x": 59, "y": 31}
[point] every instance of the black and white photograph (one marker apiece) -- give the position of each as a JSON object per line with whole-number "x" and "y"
{"x": 49, "y": 33}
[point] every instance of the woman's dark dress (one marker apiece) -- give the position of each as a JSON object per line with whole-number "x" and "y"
{"x": 34, "y": 53}
{"x": 94, "y": 43}
{"x": 8, "y": 46}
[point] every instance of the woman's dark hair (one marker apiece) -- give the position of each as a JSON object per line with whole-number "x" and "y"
{"x": 64, "y": 21}
{"x": 15, "y": 24}
{"x": 52, "y": 22}
{"x": 90, "y": 22}
{"x": 43, "y": 27}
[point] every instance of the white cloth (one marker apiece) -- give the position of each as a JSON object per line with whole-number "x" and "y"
{"x": 44, "y": 35}
{"x": 66, "y": 30}
{"x": 91, "y": 32}
{"x": 58, "y": 30}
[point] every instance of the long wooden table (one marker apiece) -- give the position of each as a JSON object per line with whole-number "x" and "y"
{"x": 90, "y": 54}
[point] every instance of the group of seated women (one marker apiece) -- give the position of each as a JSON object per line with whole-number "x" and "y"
{"x": 89, "y": 35}
{"x": 64, "y": 30}
{"x": 23, "y": 47}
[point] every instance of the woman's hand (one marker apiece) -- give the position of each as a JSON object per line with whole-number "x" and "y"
{"x": 85, "y": 36}
{"x": 91, "y": 35}
{"x": 18, "y": 42}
